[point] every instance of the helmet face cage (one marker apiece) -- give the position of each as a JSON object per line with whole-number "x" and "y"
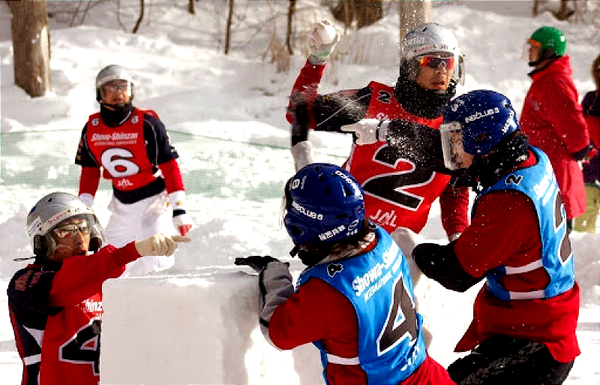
{"x": 51, "y": 211}
{"x": 453, "y": 150}
{"x": 110, "y": 73}
{"x": 482, "y": 118}
{"x": 323, "y": 203}
{"x": 430, "y": 39}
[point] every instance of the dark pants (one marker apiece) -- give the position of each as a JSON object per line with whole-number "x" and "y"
{"x": 502, "y": 360}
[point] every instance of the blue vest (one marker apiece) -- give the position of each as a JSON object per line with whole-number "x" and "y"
{"x": 378, "y": 284}
{"x": 538, "y": 182}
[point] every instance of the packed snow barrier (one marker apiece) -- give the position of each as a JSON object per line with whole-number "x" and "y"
{"x": 194, "y": 330}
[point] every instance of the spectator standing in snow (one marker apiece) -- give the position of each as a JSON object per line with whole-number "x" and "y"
{"x": 552, "y": 116}
{"x": 591, "y": 166}
{"x": 525, "y": 316}
{"x": 355, "y": 298}
{"x": 131, "y": 147}
{"x": 55, "y": 303}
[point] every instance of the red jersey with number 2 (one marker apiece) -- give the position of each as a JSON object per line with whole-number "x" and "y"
{"x": 397, "y": 192}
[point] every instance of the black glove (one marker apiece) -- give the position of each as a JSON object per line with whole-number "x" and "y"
{"x": 300, "y": 127}
{"x": 256, "y": 262}
{"x": 581, "y": 154}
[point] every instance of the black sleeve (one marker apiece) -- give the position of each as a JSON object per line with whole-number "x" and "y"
{"x": 28, "y": 296}
{"x": 158, "y": 143}
{"x": 441, "y": 264}
{"x": 335, "y": 110}
{"x": 84, "y": 156}
{"x": 418, "y": 143}
{"x": 330, "y": 112}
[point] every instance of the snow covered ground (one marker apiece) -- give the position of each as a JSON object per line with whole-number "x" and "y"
{"x": 226, "y": 118}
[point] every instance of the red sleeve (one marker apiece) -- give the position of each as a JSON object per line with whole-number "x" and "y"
{"x": 454, "y": 204}
{"x": 316, "y": 312}
{"x": 172, "y": 175}
{"x": 504, "y": 227}
{"x": 89, "y": 180}
{"x": 81, "y": 277}
{"x": 566, "y": 114}
{"x": 307, "y": 85}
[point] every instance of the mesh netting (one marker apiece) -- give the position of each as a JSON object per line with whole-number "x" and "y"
{"x": 222, "y": 178}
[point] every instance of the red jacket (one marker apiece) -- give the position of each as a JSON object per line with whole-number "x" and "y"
{"x": 56, "y": 312}
{"x": 553, "y": 119}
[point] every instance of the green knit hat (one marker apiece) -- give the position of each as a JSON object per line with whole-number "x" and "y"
{"x": 550, "y": 38}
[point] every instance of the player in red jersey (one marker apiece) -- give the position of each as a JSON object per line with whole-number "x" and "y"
{"x": 399, "y": 189}
{"x": 525, "y": 316}
{"x": 131, "y": 147}
{"x": 55, "y": 303}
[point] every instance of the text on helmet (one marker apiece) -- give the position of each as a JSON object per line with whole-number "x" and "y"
{"x": 306, "y": 212}
{"x": 332, "y": 233}
{"x": 349, "y": 180}
{"x": 510, "y": 122}
{"x": 482, "y": 114}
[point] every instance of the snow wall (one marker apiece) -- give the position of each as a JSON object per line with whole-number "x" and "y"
{"x": 194, "y": 330}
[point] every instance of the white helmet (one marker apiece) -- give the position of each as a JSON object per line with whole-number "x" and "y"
{"x": 431, "y": 39}
{"x": 52, "y": 210}
{"x": 110, "y": 73}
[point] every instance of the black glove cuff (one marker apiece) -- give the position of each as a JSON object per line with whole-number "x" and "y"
{"x": 581, "y": 154}
{"x": 594, "y": 109}
{"x": 178, "y": 212}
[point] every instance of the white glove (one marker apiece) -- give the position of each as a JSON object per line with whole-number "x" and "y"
{"x": 407, "y": 240}
{"x": 321, "y": 42}
{"x": 367, "y": 131}
{"x": 181, "y": 220}
{"x": 160, "y": 244}
{"x": 87, "y": 199}
{"x": 303, "y": 154}
{"x": 183, "y": 223}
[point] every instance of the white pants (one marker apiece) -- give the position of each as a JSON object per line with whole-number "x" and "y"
{"x": 138, "y": 221}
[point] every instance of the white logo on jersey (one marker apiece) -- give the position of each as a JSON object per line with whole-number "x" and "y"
{"x": 115, "y": 136}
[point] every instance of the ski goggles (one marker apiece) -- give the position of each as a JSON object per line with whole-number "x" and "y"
{"x": 435, "y": 61}
{"x": 116, "y": 85}
{"x": 72, "y": 229}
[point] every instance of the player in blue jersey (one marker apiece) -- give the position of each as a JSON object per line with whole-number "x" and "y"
{"x": 355, "y": 299}
{"x": 525, "y": 316}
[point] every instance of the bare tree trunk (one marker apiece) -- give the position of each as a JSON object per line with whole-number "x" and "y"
{"x": 228, "y": 30}
{"x": 364, "y": 12}
{"x": 192, "y": 7}
{"x": 139, "y": 20}
{"x": 367, "y": 12}
{"x": 412, "y": 14}
{"x": 290, "y": 19}
{"x": 31, "y": 46}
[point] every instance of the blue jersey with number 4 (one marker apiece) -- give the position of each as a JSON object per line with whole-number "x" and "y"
{"x": 378, "y": 284}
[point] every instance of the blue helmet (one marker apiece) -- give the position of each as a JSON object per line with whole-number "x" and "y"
{"x": 485, "y": 117}
{"x": 323, "y": 203}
